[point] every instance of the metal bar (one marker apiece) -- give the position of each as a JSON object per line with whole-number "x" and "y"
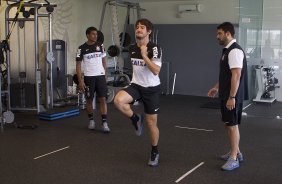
{"x": 157, "y": 34}
{"x": 27, "y": 19}
{"x": 167, "y": 78}
{"x": 124, "y": 28}
{"x": 103, "y": 15}
{"x": 174, "y": 78}
{"x": 8, "y": 59}
{"x": 25, "y": 53}
{"x": 24, "y": 109}
{"x": 51, "y": 63}
{"x": 43, "y": 15}
{"x": 36, "y": 56}
{"x": 125, "y": 4}
{"x": 47, "y": 77}
{"x": 27, "y": 4}
{"x": 19, "y": 49}
{"x": 1, "y": 109}
{"x": 138, "y": 11}
{"x": 20, "y": 19}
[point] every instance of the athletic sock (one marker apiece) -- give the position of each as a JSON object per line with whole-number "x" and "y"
{"x": 155, "y": 150}
{"x": 134, "y": 118}
{"x": 90, "y": 116}
{"x": 104, "y": 118}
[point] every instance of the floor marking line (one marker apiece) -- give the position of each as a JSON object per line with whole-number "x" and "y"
{"x": 51, "y": 152}
{"x": 247, "y": 106}
{"x": 200, "y": 129}
{"x": 189, "y": 172}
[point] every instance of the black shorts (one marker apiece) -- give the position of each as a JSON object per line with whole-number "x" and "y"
{"x": 96, "y": 84}
{"x": 150, "y": 97}
{"x": 231, "y": 117}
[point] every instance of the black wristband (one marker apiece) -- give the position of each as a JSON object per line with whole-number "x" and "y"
{"x": 231, "y": 97}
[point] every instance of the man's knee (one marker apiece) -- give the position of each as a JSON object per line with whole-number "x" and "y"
{"x": 151, "y": 120}
{"x": 102, "y": 99}
{"x": 118, "y": 100}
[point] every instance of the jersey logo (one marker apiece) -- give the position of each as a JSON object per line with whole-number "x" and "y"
{"x": 94, "y": 55}
{"x": 155, "y": 52}
{"x": 138, "y": 62}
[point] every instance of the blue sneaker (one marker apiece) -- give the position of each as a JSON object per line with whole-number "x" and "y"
{"x": 230, "y": 165}
{"x": 140, "y": 123}
{"x": 227, "y": 155}
{"x": 154, "y": 160}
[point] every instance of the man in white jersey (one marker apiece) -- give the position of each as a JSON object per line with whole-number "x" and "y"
{"x": 93, "y": 56}
{"x": 145, "y": 85}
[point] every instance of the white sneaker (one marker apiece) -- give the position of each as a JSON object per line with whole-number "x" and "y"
{"x": 105, "y": 127}
{"x": 91, "y": 125}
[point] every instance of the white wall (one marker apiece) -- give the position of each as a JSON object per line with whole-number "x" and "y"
{"x": 214, "y": 11}
{"x": 72, "y": 17}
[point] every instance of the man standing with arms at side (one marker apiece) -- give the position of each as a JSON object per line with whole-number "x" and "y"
{"x": 145, "y": 85}
{"x": 232, "y": 89}
{"x": 93, "y": 56}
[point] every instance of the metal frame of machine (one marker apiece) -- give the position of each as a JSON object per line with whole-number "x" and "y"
{"x": 32, "y": 5}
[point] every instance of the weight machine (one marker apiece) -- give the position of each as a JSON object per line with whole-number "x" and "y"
{"x": 266, "y": 84}
{"x": 21, "y": 17}
{"x": 32, "y": 15}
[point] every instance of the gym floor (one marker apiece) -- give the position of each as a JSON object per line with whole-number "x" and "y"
{"x": 191, "y": 139}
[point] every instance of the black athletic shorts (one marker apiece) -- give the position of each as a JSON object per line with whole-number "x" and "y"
{"x": 149, "y": 96}
{"x": 231, "y": 117}
{"x": 96, "y": 84}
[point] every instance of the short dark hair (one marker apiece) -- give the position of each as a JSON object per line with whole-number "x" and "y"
{"x": 146, "y": 22}
{"x": 227, "y": 27}
{"x": 90, "y": 29}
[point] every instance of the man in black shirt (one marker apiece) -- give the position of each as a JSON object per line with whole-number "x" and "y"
{"x": 232, "y": 88}
{"x": 93, "y": 56}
